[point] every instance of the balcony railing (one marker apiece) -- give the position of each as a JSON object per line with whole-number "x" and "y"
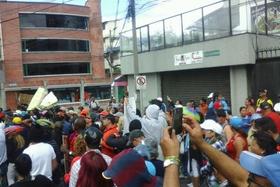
{"x": 221, "y": 19}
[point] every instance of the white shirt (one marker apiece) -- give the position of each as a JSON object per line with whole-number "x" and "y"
{"x": 3, "y": 149}
{"x": 41, "y": 155}
{"x": 74, "y": 173}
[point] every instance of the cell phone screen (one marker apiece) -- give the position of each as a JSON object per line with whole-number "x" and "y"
{"x": 177, "y": 120}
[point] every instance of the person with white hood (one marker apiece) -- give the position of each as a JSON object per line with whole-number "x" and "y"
{"x": 153, "y": 122}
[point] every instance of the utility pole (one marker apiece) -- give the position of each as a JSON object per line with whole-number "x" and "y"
{"x": 135, "y": 51}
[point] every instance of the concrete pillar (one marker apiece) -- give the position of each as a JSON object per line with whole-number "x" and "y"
{"x": 238, "y": 87}
{"x": 152, "y": 91}
{"x": 82, "y": 93}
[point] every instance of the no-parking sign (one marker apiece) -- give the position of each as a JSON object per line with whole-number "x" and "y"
{"x": 141, "y": 82}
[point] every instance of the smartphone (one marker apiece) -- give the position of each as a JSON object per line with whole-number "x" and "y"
{"x": 177, "y": 120}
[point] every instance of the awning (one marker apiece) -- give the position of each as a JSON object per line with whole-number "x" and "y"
{"x": 120, "y": 80}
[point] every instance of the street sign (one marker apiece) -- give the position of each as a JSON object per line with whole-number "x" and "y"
{"x": 141, "y": 82}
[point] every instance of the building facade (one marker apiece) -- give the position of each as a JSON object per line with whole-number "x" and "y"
{"x": 210, "y": 49}
{"x": 57, "y": 46}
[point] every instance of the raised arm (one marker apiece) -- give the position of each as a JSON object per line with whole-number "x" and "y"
{"x": 224, "y": 164}
{"x": 131, "y": 114}
{"x": 170, "y": 148}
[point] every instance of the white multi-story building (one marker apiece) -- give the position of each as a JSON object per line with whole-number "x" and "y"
{"x": 216, "y": 48}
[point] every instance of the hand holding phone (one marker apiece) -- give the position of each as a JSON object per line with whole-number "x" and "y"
{"x": 178, "y": 120}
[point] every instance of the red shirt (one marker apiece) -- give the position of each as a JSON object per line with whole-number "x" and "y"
{"x": 106, "y": 149}
{"x": 230, "y": 146}
{"x": 275, "y": 118}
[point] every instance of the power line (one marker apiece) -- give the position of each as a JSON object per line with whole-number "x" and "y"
{"x": 52, "y": 6}
{"x": 16, "y": 10}
{"x": 11, "y": 43}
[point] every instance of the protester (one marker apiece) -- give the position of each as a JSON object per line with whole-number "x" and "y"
{"x": 249, "y": 106}
{"x": 93, "y": 138}
{"x": 42, "y": 154}
{"x": 153, "y": 121}
{"x": 266, "y": 125}
{"x": 129, "y": 168}
{"x": 222, "y": 120}
{"x": 152, "y": 146}
{"x": 263, "y": 97}
{"x": 23, "y": 166}
{"x": 120, "y": 141}
{"x": 203, "y": 107}
{"x": 15, "y": 145}
{"x": 213, "y": 135}
{"x": 240, "y": 177}
{"x": 79, "y": 126}
{"x": 238, "y": 142}
{"x": 263, "y": 144}
{"x": 93, "y": 103}
{"x": 252, "y": 129}
{"x": 267, "y": 111}
{"x": 110, "y": 128}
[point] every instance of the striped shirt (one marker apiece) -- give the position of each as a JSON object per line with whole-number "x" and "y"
{"x": 74, "y": 173}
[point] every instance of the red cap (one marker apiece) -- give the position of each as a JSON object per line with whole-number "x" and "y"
{"x": 104, "y": 113}
{"x": 84, "y": 112}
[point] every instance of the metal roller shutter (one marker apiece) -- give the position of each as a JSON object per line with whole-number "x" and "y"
{"x": 195, "y": 84}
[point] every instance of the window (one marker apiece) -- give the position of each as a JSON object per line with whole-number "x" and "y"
{"x": 29, "y": 45}
{"x": 173, "y": 31}
{"x": 99, "y": 92}
{"x": 53, "y": 21}
{"x": 216, "y": 20}
{"x": 192, "y": 26}
{"x": 56, "y": 68}
{"x": 156, "y": 35}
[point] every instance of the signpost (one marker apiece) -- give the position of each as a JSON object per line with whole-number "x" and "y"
{"x": 141, "y": 82}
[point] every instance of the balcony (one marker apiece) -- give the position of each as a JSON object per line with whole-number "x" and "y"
{"x": 218, "y": 20}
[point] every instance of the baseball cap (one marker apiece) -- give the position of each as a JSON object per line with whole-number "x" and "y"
{"x": 277, "y": 107}
{"x": 118, "y": 114}
{"x": 238, "y": 123}
{"x": 159, "y": 99}
{"x": 13, "y": 129}
{"x": 84, "y": 112}
{"x": 210, "y": 124}
{"x": 210, "y": 95}
{"x": 93, "y": 136}
{"x": 262, "y": 166}
{"x": 130, "y": 164}
{"x": 265, "y": 105}
{"x": 45, "y": 123}
{"x": 17, "y": 120}
{"x": 134, "y": 134}
{"x": 104, "y": 113}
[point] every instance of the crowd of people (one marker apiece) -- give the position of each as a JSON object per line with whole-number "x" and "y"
{"x": 116, "y": 145}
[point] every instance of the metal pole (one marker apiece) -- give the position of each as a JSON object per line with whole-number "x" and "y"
{"x": 135, "y": 51}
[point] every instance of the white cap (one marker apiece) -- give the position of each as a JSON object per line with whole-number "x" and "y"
{"x": 210, "y": 95}
{"x": 159, "y": 99}
{"x": 210, "y": 124}
{"x": 277, "y": 107}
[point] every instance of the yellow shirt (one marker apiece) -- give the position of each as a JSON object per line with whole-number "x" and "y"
{"x": 260, "y": 101}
